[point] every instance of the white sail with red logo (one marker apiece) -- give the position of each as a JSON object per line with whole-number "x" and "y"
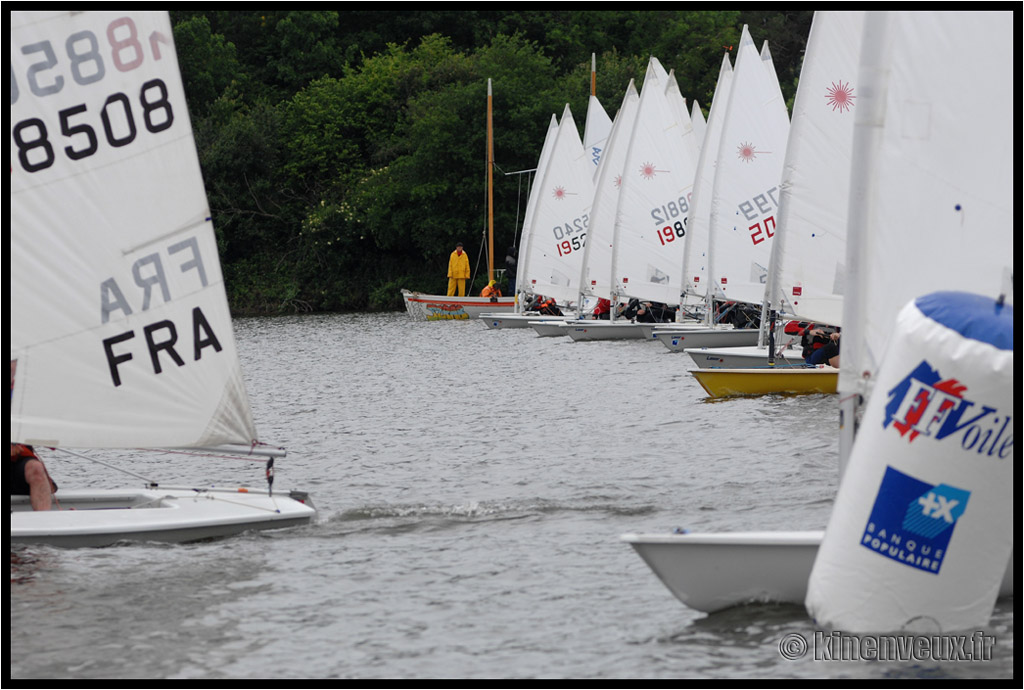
{"x": 744, "y": 204}
{"x": 808, "y": 261}
{"x": 922, "y": 526}
{"x": 553, "y": 251}
{"x": 655, "y": 195}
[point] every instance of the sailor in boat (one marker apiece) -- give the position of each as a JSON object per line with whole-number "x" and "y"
{"x": 603, "y": 309}
{"x": 510, "y": 269}
{"x": 491, "y": 290}
{"x": 30, "y": 477}
{"x": 545, "y": 305}
{"x": 458, "y": 271}
{"x": 821, "y": 345}
{"x": 654, "y": 312}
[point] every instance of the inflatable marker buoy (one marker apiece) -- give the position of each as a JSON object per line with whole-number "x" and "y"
{"x": 922, "y": 527}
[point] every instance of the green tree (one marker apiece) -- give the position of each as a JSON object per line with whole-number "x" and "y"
{"x": 208, "y": 63}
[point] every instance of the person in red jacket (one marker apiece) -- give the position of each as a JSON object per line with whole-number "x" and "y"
{"x": 30, "y": 477}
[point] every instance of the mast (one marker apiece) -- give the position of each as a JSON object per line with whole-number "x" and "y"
{"x": 593, "y": 74}
{"x": 490, "y": 187}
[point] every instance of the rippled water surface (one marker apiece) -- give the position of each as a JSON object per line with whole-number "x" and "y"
{"x": 472, "y": 487}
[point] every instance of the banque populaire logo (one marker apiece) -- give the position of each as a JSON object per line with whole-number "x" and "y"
{"x": 912, "y": 521}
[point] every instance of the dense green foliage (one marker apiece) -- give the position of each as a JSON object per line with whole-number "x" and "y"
{"x": 344, "y": 153}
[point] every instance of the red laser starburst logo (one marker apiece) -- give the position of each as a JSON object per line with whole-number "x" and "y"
{"x": 747, "y": 152}
{"x": 840, "y": 96}
{"x": 648, "y": 171}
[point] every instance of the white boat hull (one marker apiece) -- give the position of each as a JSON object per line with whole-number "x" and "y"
{"x": 549, "y": 328}
{"x": 92, "y": 518}
{"x": 422, "y": 307}
{"x": 649, "y": 329}
{"x": 500, "y": 320}
{"x": 677, "y": 340}
{"x": 743, "y": 357}
{"x": 597, "y": 329}
{"x": 715, "y": 571}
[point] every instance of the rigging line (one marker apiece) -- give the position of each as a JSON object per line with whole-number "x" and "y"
{"x": 107, "y": 464}
{"x": 209, "y": 496}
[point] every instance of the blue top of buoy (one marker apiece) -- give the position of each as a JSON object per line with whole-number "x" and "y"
{"x": 973, "y": 316}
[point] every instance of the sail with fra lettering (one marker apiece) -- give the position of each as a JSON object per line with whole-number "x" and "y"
{"x": 120, "y": 329}
{"x": 120, "y": 332}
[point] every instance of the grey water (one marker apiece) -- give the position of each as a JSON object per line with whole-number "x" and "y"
{"x": 472, "y": 487}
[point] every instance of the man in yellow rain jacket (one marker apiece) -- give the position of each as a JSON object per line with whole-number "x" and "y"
{"x": 458, "y": 271}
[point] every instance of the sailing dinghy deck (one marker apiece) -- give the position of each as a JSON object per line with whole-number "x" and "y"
{"x": 93, "y": 518}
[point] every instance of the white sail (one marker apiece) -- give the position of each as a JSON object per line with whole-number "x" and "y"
{"x": 698, "y": 123}
{"x": 120, "y": 332}
{"x": 932, "y": 189}
{"x": 561, "y": 217}
{"x": 749, "y": 170}
{"x": 654, "y": 200}
{"x": 808, "y": 261}
{"x": 695, "y": 252}
{"x": 596, "y": 131}
{"x": 523, "y": 264}
{"x": 595, "y": 273}
{"x": 769, "y": 64}
{"x": 926, "y": 343}
{"x": 682, "y": 113}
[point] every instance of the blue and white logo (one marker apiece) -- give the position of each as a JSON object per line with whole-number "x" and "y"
{"x": 925, "y": 404}
{"x": 912, "y": 521}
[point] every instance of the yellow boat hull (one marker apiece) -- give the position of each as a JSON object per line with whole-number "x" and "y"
{"x": 724, "y": 383}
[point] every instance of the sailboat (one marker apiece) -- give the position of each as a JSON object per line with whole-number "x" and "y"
{"x": 552, "y": 252}
{"x": 909, "y": 234}
{"x": 807, "y": 265}
{"x": 698, "y": 123}
{"x": 749, "y": 151}
{"x": 557, "y": 218}
{"x": 652, "y": 205}
{"x": 595, "y": 270}
{"x": 425, "y": 307}
{"x": 120, "y": 332}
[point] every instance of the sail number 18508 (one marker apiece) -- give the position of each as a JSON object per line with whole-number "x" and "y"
{"x": 86, "y": 63}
